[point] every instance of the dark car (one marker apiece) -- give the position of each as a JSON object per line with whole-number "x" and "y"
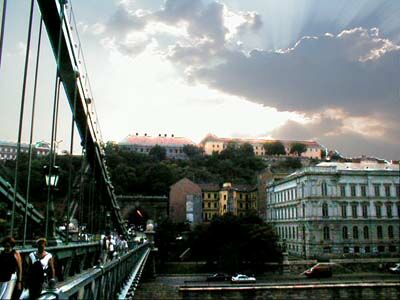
{"x": 320, "y": 270}
{"x": 217, "y": 277}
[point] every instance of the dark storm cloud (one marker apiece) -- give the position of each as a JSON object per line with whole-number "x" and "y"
{"x": 354, "y": 70}
{"x": 333, "y": 134}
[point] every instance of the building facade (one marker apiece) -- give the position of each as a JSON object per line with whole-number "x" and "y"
{"x": 211, "y": 143}
{"x": 337, "y": 209}
{"x": 8, "y": 150}
{"x": 215, "y": 200}
{"x": 142, "y": 144}
{"x": 237, "y": 199}
{"x": 211, "y": 205}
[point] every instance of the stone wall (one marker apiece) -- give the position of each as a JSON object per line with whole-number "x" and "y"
{"x": 363, "y": 291}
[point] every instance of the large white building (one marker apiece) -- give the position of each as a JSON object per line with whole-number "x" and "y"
{"x": 338, "y": 209}
{"x": 8, "y": 150}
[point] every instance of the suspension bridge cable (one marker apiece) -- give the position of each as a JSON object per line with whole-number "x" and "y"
{"x": 31, "y": 132}
{"x": 71, "y": 156}
{"x": 51, "y": 153}
{"x": 21, "y": 116}
{"x": 54, "y": 120}
{"x": 3, "y": 23}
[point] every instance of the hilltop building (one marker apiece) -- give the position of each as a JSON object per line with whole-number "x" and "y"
{"x": 211, "y": 143}
{"x": 8, "y": 150}
{"x": 338, "y": 209}
{"x": 142, "y": 144}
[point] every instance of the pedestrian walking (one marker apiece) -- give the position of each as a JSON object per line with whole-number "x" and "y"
{"x": 10, "y": 270}
{"x": 110, "y": 248}
{"x": 41, "y": 269}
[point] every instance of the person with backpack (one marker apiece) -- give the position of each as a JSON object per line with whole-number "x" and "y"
{"x": 10, "y": 270}
{"x": 40, "y": 270}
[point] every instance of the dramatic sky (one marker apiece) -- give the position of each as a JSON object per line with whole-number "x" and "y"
{"x": 288, "y": 69}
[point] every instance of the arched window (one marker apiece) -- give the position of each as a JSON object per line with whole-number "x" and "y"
{"x": 389, "y": 213}
{"x": 365, "y": 210}
{"x": 355, "y": 232}
{"x": 345, "y": 233}
{"x": 379, "y": 232}
{"x": 366, "y": 233}
{"x": 326, "y": 233}
{"x": 324, "y": 209}
{"x": 324, "y": 189}
{"x": 378, "y": 207}
{"x": 390, "y": 232}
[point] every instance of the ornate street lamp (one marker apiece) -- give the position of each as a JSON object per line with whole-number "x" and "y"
{"x": 51, "y": 176}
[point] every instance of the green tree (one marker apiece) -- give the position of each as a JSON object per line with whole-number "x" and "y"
{"x": 192, "y": 151}
{"x": 158, "y": 153}
{"x": 230, "y": 152}
{"x": 236, "y": 243}
{"x": 246, "y": 150}
{"x": 298, "y": 148}
{"x": 274, "y": 148}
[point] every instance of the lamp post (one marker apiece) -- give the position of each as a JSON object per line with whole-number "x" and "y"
{"x": 108, "y": 222}
{"x": 51, "y": 176}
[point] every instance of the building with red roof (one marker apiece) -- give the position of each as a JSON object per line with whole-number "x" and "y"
{"x": 142, "y": 144}
{"x": 211, "y": 143}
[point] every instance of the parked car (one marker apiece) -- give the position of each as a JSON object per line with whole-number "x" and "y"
{"x": 395, "y": 269}
{"x": 320, "y": 270}
{"x": 218, "y": 277}
{"x": 241, "y": 278}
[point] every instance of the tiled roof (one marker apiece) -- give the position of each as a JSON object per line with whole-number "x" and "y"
{"x": 214, "y": 138}
{"x": 159, "y": 140}
{"x": 241, "y": 187}
{"x": 359, "y": 166}
{"x": 209, "y": 187}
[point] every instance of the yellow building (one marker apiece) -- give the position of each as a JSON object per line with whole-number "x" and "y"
{"x": 212, "y": 143}
{"x": 211, "y": 197}
{"x": 236, "y": 199}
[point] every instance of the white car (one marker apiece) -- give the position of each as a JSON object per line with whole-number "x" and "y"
{"x": 240, "y": 278}
{"x": 395, "y": 269}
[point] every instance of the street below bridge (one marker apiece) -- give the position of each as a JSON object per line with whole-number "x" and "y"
{"x": 174, "y": 286}
{"x": 200, "y": 280}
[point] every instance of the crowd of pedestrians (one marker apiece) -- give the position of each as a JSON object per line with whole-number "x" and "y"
{"x": 113, "y": 245}
{"x": 40, "y": 268}
{"x": 39, "y": 271}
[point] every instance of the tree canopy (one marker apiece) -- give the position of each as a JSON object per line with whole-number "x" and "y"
{"x": 235, "y": 243}
{"x": 158, "y": 153}
{"x": 298, "y": 148}
{"x": 138, "y": 173}
{"x": 274, "y": 148}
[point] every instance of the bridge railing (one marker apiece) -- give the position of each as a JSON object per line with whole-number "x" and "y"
{"x": 101, "y": 282}
{"x": 81, "y": 275}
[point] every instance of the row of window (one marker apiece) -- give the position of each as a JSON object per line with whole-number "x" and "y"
{"x": 216, "y": 196}
{"x": 355, "y": 249}
{"x": 5, "y": 156}
{"x": 365, "y": 232}
{"x": 292, "y": 232}
{"x": 209, "y": 204}
{"x": 168, "y": 150}
{"x": 364, "y": 209}
{"x": 284, "y": 213}
{"x": 361, "y": 190}
{"x": 355, "y": 190}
